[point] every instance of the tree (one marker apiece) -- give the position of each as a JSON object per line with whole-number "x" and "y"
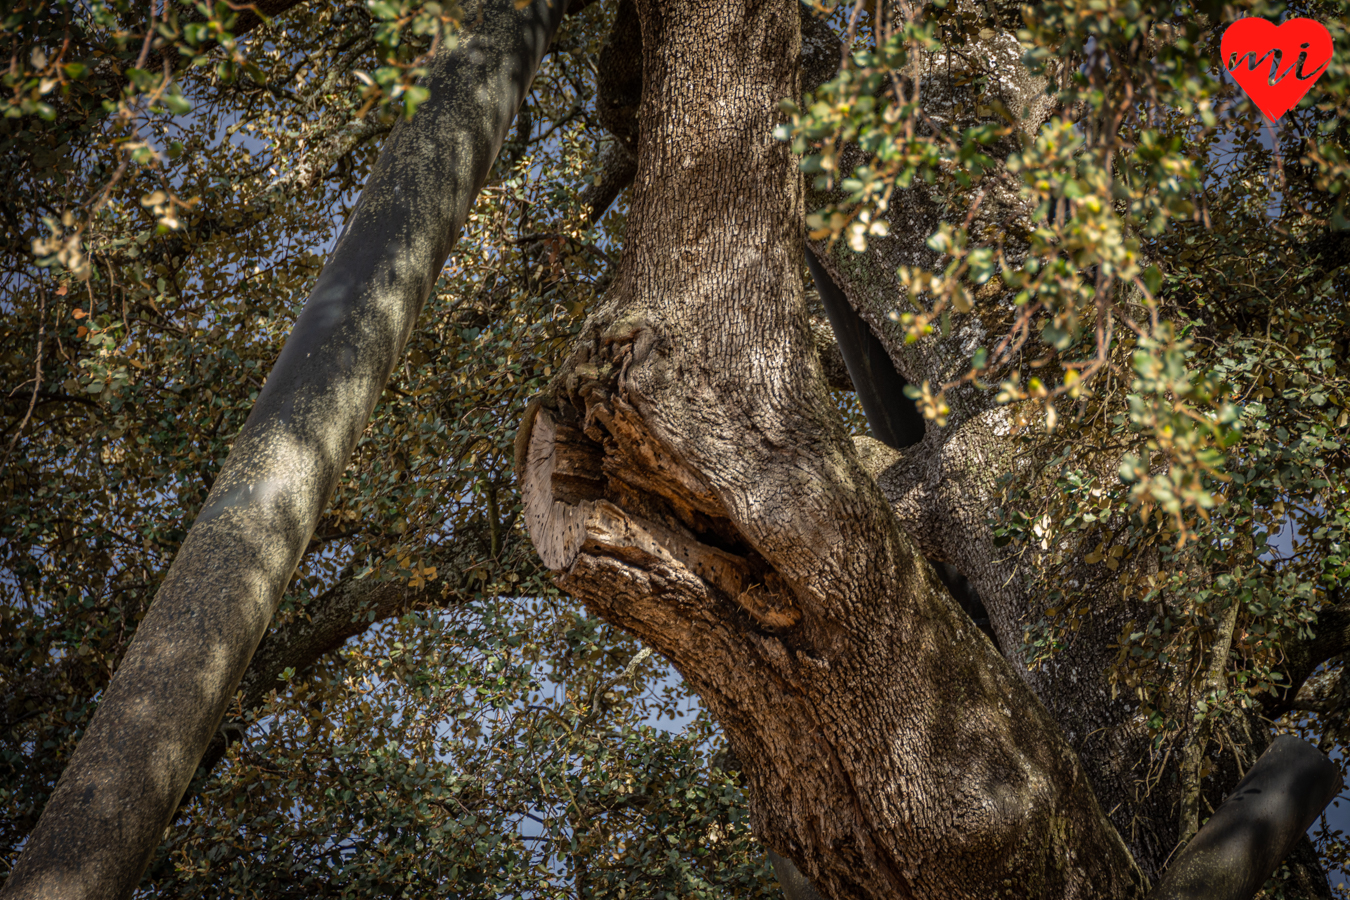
{"x": 687, "y": 475}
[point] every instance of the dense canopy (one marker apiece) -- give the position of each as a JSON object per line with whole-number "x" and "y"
{"x": 1117, "y": 293}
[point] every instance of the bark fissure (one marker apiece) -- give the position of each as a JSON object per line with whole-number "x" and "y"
{"x": 691, "y": 487}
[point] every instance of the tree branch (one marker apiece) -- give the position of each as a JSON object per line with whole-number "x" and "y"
{"x": 123, "y": 783}
{"x": 691, "y": 488}
{"x": 1331, "y": 638}
{"x": 617, "y": 167}
{"x": 1248, "y": 836}
{"x": 893, "y": 417}
{"x": 348, "y": 609}
{"x": 1213, "y": 681}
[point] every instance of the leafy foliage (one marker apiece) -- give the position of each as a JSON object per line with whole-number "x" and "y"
{"x": 1133, "y": 150}
{"x": 1175, "y": 274}
{"x": 478, "y": 736}
{"x": 1177, "y": 286}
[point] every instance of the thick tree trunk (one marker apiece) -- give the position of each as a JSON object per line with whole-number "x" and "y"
{"x": 687, "y": 477}
{"x": 165, "y": 702}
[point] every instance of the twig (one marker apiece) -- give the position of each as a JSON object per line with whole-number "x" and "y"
{"x": 37, "y": 374}
{"x": 1195, "y": 752}
{"x": 600, "y": 691}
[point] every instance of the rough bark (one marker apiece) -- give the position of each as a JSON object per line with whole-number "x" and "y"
{"x": 165, "y": 702}
{"x": 685, "y": 476}
{"x": 942, "y": 490}
{"x": 618, "y": 88}
{"x": 944, "y": 487}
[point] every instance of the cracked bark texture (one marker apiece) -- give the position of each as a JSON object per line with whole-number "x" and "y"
{"x": 686, "y": 476}
{"x": 943, "y": 488}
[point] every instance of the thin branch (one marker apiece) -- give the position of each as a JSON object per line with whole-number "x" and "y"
{"x": 37, "y": 374}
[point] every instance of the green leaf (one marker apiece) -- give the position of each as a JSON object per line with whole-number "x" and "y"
{"x": 1152, "y": 278}
{"x": 414, "y": 97}
{"x": 177, "y": 103}
{"x": 981, "y": 264}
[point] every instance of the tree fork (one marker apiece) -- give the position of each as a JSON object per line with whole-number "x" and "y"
{"x": 689, "y": 487}
{"x": 120, "y": 789}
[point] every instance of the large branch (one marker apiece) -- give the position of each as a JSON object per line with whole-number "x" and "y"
{"x": 348, "y": 609}
{"x": 1330, "y": 638}
{"x": 893, "y": 417}
{"x": 120, "y": 790}
{"x": 1264, "y": 817}
{"x": 943, "y": 488}
{"x": 617, "y": 167}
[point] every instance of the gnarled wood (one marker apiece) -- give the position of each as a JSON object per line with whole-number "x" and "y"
{"x": 889, "y": 750}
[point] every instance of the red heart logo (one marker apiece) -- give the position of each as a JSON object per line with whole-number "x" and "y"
{"x": 1276, "y": 65}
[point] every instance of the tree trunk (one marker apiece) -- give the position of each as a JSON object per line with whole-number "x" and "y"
{"x": 120, "y": 790}
{"x": 944, "y": 487}
{"x": 687, "y": 477}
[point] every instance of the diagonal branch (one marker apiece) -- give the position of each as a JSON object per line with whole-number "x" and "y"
{"x": 348, "y": 609}
{"x": 123, "y": 783}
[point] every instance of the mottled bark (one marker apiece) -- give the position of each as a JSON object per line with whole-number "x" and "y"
{"x": 120, "y": 790}
{"x": 348, "y": 609}
{"x": 686, "y": 476}
{"x": 944, "y": 488}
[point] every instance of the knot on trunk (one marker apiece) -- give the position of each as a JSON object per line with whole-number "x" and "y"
{"x": 596, "y": 481}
